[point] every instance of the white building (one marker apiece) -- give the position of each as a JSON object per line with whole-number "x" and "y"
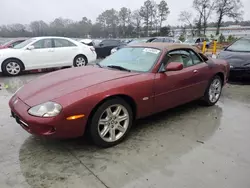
{"x": 234, "y": 30}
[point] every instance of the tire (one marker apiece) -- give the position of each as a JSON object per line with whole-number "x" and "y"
{"x": 106, "y": 125}
{"x": 12, "y": 67}
{"x": 213, "y": 90}
{"x": 80, "y": 61}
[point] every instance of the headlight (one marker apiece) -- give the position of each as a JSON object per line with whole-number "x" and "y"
{"x": 231, "y": 66}
{"x": 48, "y": 109}
{"x": 113, "y": 50}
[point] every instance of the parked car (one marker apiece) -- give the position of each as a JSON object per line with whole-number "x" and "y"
{"x": 11, "y": 43}
{"x": 238, "y": 56}
{"x": 104, "y": 48}
{"x": 166, "y": 39}
{"x": 135, "y": 41}
{"x": 44, "y": 52}
{"x": 105, "y": 99}
{"x": 198, "y": 41}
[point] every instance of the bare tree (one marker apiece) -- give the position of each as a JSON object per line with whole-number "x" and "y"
{"x": 124, "y": 17}
{"x": 204, "y": 8}
{"x": 146, "y": 13}
{"x": 229, "y": 8}
{"x": 163, "y": 11}
{"x": 137, "y": 21}
{"x": 186, "y": 18}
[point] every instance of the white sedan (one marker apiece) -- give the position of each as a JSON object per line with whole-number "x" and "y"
{"x": 45, "y": 52}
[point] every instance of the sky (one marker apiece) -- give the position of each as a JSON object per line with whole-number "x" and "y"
{"x": 25, "y": 11}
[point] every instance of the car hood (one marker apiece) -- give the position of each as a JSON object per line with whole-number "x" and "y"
{"x": 8, "y": 51}
{"x": 236, "y": 59}
{"x": 59, "y": 83}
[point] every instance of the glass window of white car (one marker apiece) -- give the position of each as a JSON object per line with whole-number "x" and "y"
{"x": 25, "y": 43}
{"x": 60, "y": 43}
{"x": 242, "y": 45}
{"x": 134, "y": 58}
{"x": 43, "y": 43}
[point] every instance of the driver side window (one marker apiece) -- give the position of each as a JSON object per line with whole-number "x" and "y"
{"x": 43, "y": 43}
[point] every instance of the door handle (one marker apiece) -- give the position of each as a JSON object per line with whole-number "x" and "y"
{"x": 195, "y": 71}
{"x": 51, "y": 50}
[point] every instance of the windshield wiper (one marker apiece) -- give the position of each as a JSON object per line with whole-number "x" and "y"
{"x": 118, "y": 67}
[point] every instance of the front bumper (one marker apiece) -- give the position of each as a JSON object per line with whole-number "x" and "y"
{"x": 56, "y": 127}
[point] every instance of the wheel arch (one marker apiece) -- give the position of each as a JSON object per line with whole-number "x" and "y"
{"x": 13, "y": 58}
{"x": 222, "y": 77}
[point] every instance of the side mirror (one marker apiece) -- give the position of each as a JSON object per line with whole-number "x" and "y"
{"x": 31, "y": 47}
{"x": 174, "y": 66}
{"x": 11, "y": 46}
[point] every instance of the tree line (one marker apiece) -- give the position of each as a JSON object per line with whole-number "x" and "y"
{"x": 149, "y": 20}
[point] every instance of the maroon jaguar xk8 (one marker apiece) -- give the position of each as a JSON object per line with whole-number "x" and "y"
{"x": 105, "y": 99}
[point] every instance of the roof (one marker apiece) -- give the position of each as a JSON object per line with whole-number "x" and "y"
{"x": 167, "y": 46}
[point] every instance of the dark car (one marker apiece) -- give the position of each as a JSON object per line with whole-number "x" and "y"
{"x": 238, "y": 56}
{"x": 104, "y": 48}
{"x": 11, "y": 43}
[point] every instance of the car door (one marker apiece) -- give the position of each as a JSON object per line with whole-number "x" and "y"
{"x": 109, "y": 46}
{"x": 173, "y": 88}
{"x": 64, "y": 52}
{"x": 40, "y": 56}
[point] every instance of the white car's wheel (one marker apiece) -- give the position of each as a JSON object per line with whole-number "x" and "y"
{"x": 80, "y": 61}
{"x": 12, "y": 67}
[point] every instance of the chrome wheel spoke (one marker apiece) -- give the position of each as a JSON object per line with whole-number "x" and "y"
{"x": 122, "y": 118}
{"x": 105, "y": 131}
{"x": 112, "y": 134}
{"x": 121, "y": 128}
{"x": 109, "y": 113}
{"x": 117, "y": 111}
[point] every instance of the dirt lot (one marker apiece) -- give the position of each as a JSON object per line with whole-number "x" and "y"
{"x": 190, "y": 146}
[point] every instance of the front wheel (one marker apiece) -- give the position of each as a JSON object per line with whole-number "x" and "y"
{"x": 111, "y": 123}
{"x": 213, "y": 92}
{"x": 12, "y": 67}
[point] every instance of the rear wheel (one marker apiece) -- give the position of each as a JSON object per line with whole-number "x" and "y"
{"x": 111, "y": 123}
{"x": 80, "y": 61}
{"x": 12, "y": 67}
{"x": 213, "y": 92}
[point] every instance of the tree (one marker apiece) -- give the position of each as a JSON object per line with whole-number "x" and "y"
{"x": 186, "y": 18}
{"x": 124, "y": 17}
{"x": 229, "y": 8}
{"x": 136, "y": 20}
{"x": 165, "y": 31}
{"x": 109, "y": 21}
{"x": 163, "y": 11}
{"x": 146, "y": 13}
{"x": 204, "y": 8}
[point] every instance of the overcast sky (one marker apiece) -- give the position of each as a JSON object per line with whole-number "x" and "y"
{"x": 25, "y": 11}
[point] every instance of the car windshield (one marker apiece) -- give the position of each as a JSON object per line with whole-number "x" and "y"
{"x": 242, "y": 45}
{"x": 133, "y": 58}
{"x": 23, "y": 44}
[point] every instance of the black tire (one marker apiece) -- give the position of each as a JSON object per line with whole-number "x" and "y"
{"x": 12, "y": 62}
{"x": 206, "y": 99}
{"x": 94, "y": 127}
{"x": 75, "y": 62}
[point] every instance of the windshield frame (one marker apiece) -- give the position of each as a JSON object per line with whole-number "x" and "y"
{"x": 153, "y": 64}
